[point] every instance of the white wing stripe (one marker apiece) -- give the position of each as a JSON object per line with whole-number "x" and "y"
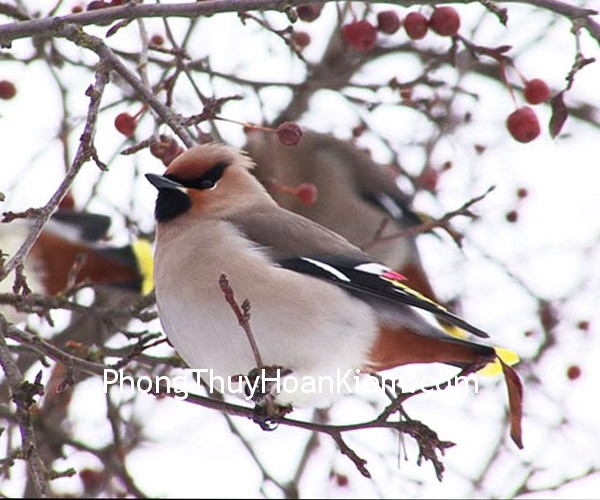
{"x": 326, "y": 267}
{"x": 372, "y": 268}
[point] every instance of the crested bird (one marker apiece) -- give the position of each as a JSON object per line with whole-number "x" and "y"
{"x": 319, "y": 304}
{"x": 356, "y": 197}
{"x": 69, "y": 252}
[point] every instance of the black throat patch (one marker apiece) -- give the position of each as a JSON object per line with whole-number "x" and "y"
{"x": 170, "y": 203}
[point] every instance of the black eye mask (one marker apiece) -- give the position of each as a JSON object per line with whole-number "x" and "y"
{"x": 208, "y": 180}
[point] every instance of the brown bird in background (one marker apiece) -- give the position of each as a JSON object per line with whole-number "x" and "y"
{"x": 70, "y": 251}
{"x": 356, "y": 197}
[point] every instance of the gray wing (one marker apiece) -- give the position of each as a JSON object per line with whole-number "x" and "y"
{"x": 303, "y": 246}
{"x": 286, "y": 235}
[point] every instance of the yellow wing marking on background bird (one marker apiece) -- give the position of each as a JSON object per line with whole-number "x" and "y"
{"x": 145, "y": 261}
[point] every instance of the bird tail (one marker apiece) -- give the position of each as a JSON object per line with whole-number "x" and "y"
{"x": 493, "y": 368}
{"x": 502, "y": 365}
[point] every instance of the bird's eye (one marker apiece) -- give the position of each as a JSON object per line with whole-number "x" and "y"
{"x": 209, "y": 180}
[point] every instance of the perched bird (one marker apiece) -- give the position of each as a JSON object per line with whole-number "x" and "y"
{"x": 70, "y": 236}
{"x": 69, "y": 252}
{"x": 319, "y": 305}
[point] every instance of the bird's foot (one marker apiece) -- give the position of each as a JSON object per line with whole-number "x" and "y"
{"x": 260, "y": 384}
{"x": 267, "y": 411}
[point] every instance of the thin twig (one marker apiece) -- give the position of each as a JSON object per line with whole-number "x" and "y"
{"x": 243, "y": 316}
{"x": 22, "y": 393}
{"x": 108, "y": 57}
{"x": 85, "y": 152}
{"x": 442, "y": 222}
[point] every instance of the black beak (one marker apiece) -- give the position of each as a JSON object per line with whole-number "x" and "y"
{"x": 160, "y": 182}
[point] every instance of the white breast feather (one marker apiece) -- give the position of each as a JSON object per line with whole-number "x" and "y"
{"x": 299, "y": 322}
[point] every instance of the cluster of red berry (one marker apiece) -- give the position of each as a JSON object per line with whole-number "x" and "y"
{"x": 307, "y": 13}
{"x": 523, "y": 123}
{"x": 513, "y": 215}
{"x": 361, "y": 35}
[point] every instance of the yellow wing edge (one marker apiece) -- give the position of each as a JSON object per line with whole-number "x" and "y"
{"x": 142, "y": 250}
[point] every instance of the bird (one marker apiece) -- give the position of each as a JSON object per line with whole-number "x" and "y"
{"x": 318, "y": 304}
{"x": 69, "y": 251}
{"x": 356, "y": 198}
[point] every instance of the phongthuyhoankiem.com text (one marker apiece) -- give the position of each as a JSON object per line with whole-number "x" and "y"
{"x": 275, "y": 382}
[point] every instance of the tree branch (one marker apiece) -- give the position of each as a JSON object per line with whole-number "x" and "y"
{"x": 85, "y": 151}
{"x": 22, "y": 394}
{"x": 131, "y": 10}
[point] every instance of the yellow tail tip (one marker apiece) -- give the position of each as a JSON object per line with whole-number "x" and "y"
{"x": 495, "y": 368}
{"x": 145, "y": 261}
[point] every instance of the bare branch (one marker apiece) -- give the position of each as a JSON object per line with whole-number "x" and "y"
{"x": 23, "y": 394}
{"x": 85, "y": 151}
{"x": 243, "y": 316}
{"x": 131, "y": 10}
{"x": 442, "y": 222}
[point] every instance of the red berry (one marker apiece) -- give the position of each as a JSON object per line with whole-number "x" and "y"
{"x": 388, "y": 22}
{"x": 166, "y": 149}
{"x": 523, "y": 124}
{"x": 573, "y": 372}
{"x": 157, "y": 40}
{"x": 429, "y": 179}
{"x": 289, "y": 133}
{"x": 583, "y": 325}
{"x": 512, "y": 216}
{"x": 76, "y": 9}
{"x": 7, "y": 89}
{"x": 309, "y": 12}
{"x": 157, "y": 149}
{"x": 416, "y": 25}
{"x": 97, "y": 4}
{"x": 358, "y": 130}
{"x": 406, "y": 93}
{"x": 171, "y": 153}
{"x": 126, "y": 124}
{"x": 522, "y": 193}
{"x": 114, "y": 3}
{"x": 341, "y": 480}
{"x": 360, "y": 35}
{"x": 445, "y": 21}
{"x": 92, "y": 479}
{"x": 306, "y": 193}
{"x": 301, "y": 39}
{"x": 536, "y": 91}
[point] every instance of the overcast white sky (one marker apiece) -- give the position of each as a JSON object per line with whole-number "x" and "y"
{"x": 190, "y": 451}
